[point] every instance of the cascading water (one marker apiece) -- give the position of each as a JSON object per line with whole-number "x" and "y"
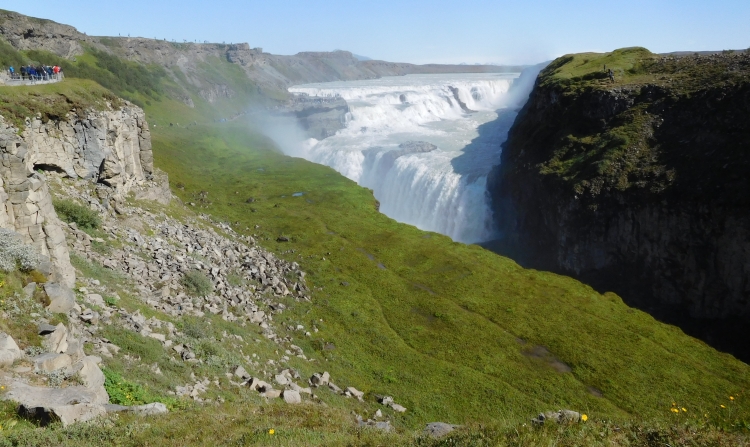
{"x": 438, "y": 183}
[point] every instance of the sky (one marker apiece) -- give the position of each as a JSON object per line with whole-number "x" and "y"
{"x": 419, "y": 31}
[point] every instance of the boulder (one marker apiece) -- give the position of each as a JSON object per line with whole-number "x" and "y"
{"x": 355, "y": 392}
{"x": 67, "y": 405}
{"x": 75, "y": 349}
{"x": 318, "y": 379}
{"x": 141, "y": 410}
{"x": 398, "y": 408}
{"x": 29, "y": 289}
{"x": 91, "y": 376}
{"x": 62, "y": 299}
{"x": 386, "y": 400}
{"x": 438, "y": 429}
{"x": 51, "y": 361}
{"x": 95, "y": 299}
{"x": 272, "y": 394}
{"x": 57, "y": 341}
{"x": 560, "y": 417}
{"x": 9, "y": 350}
{"x": 66, "y": 414}
{"x": 241, "y": 373}
{"x": 292, "y": 397}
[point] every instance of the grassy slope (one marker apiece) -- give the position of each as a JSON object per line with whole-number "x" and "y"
{"x": 53, "y": 101}
{"x": 445, "y": 328}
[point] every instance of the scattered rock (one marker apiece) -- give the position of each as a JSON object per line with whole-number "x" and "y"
{"x": 62, "y": 299}
{"x": 560, "y": 416}
{"x": 292, "y": 397}
{"x": 152, "y": 409}
{"x": 438, "y": 429}
{"x": 51, "y": 362}
{"x": 318, "y": 379}
{"x": 57, "y": 341}
{"x": 398, "y": 408}
{"x": 9, "y": 350}
{"x": 67, "y": 405}
{"x": 95, "y": 299}
{"x": 241, "y": 373}
{"x": 29, "y": 289}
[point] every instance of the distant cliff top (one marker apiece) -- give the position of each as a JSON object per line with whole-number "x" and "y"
{"x": 632, "y": 133}
{"x": 267, "y": 71}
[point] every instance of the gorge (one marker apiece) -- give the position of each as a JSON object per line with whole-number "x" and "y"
{"x": 423, "y": 143}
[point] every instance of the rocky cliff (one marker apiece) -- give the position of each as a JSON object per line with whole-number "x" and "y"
{"x": 109, "y": 147}
{"x": 638, "y": 185}
{"x": 269, "y": 72}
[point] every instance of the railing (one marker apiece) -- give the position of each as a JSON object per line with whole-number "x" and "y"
{"x": 25, "y": 79}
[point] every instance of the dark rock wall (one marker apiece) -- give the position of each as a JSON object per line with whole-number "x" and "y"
{"x": 677, "y": 242}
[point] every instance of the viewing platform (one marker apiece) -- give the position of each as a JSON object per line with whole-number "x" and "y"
{"x": 17, "y": 79}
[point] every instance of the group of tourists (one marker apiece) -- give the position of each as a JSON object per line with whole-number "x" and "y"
{"x": 40, "y": 73}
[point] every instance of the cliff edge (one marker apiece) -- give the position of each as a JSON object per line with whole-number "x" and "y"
{"x": 638, "y": 185}
{"x": 109, "y": 145}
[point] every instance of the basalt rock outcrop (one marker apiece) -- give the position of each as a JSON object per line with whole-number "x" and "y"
{"x": 319, "y": 117}
{"x": 638, "y": 186}
{"x": 111, "y": 147}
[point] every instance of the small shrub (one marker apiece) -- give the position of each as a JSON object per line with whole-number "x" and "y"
{"x": 15, "y": 254}
{"x": 124, "y": 392}
{"x": 193, "y": 329}
{"x": 110, "y": 300}
{"x": 37, "y": 277}
{"x": 84, "y": 217}
{"x": 196, "y": 283}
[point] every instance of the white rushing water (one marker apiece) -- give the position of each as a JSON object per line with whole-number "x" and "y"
{"x": 443, "y": 190}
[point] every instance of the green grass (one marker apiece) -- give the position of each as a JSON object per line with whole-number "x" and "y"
{"x": 445, "y": 328}
{"x": 53, "y": 101}
{"x": 72, "y": 212}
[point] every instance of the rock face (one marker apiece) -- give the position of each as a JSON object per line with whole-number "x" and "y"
{"x": 112, "y": 147}
{"x": 319, "y": 117}
{"x": 663, "y": 219}
{"x": 28, "y": 33}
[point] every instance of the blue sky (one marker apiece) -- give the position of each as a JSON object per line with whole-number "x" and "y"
{"x": 420, "y": 31}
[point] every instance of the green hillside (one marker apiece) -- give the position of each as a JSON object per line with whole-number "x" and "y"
{"x": 453, "y": 332}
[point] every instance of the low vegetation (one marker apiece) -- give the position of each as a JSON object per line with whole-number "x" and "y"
{"x": 72, "y": 212}
{"x": 196, "y": 283}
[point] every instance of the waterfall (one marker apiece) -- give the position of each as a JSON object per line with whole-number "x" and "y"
{"x": 424, "y": 144}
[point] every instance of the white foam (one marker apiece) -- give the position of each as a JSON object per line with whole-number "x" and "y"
{"x": 443, "y": 190}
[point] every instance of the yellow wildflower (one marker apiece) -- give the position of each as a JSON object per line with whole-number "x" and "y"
{"x": 683, "y": 409}
{"x": 674, "y": 410}
{"x": 722, "y": 406}
{"x": 731, "y": 397}
{"x": 584, "y": 418}
{"x": 271, "y": 431}
{"x": 674, "y": 404}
